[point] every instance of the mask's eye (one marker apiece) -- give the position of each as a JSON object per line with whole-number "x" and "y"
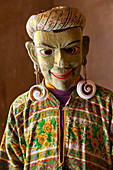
{"x": 72, "y": 50}
{"x": 46, "y": 52}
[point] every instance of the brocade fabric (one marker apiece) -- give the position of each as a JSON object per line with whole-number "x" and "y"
{"x": 32, "y": 138}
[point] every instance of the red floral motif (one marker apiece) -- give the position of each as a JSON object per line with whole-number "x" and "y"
{"x": 40, "y": 26}
{"x": 33, "y": 166}
{"x": 50, "y": 163}
{"x": 52, "y": 22}
{"x": 21, "y": 107}
{"x": 85, "y": 116}
{"x": 98, "y": 152}
{"x": 41, "y": 155}
{"x": 46, "y": 144}
{"x": 56, "y": 11}
{"x": 18, "y": 152}
{"x": 23, "y": 148}
{"x": 95, "y": 144}
{"x": 100, "y": 136}
{"x": 28, "y": 139}
{"x": 62, "y": 21}
{"x": 42, "y": 114}
{"x": 42, "y": 138}
{"x": 55, "y": 135}
{"x": 71, "y": 112}
{"x": 75, "y": 21}
{"x": 88, "y": 134}
{"x": 54, "y": 112}
{"x": 14, "y": 145}
{"x": 73, "y": 140}
{"x": 45, "y": 15}
{"x": 75, "y": 130}
{"x": 20, "y": 132}
{"x": 35, "y": 134}
{"x": 51, "y": 152}
{"x": 36, "y": 16}
{"x": 48, "y": 128}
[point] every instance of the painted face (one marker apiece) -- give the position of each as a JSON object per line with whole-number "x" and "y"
{"x": 60, "y": 56}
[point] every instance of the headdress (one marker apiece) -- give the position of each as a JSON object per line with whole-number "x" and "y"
{"x": 55, "y": 19}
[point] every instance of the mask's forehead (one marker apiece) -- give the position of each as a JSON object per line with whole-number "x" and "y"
{"x": 58, "y": 39}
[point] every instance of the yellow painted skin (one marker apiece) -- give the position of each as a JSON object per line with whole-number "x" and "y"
{"x": 60, "y": 56}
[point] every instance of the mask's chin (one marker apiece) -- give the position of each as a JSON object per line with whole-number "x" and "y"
{"x": 58, "y": 84}
{"x": 62, "y": 84}
{"x": 62, "y": 81}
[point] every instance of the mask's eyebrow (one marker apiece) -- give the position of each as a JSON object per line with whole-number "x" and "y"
{"x": 46, "y": 45}
{"x": 72, "y": 42}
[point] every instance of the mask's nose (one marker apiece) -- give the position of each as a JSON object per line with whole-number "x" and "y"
{"x": 59, "y": 59}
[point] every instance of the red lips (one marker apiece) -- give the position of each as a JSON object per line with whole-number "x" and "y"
{"x": 62, "y": 76}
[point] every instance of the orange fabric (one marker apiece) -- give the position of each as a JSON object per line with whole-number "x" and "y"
{"x": 50, "y": 86}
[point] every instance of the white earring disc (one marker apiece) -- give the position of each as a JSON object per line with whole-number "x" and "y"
{"x": 86, "y": 90}
{"x": 38, "y": 93}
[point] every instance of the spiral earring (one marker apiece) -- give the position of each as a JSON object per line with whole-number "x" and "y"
{"x": 37, "y": 92}
{"x": 86, "y": 89}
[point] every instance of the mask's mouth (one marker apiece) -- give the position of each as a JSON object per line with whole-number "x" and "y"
{"x": 62, "y": 76}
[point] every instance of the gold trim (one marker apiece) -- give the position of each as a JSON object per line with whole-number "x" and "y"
{"x": 64, "y": 135}
{"x": 59, "y": 139}
{"x": 63, "y": 138}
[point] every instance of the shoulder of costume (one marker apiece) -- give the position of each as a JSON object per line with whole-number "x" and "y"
{"x": 103, "y": 92}
{"x": 21, "y": 100}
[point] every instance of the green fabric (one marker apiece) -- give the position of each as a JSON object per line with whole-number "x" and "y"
{"x": 32, "y": 135}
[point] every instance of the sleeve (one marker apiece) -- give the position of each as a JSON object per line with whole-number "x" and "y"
{"x": 10, "y": 151}
{"x": 111, "y": 131}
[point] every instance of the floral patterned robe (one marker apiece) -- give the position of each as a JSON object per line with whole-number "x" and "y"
{"x": 32, "y": 138}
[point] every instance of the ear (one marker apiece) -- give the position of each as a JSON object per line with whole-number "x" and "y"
{"x": 85, "y": 49}
{"x": 31, "y": 51}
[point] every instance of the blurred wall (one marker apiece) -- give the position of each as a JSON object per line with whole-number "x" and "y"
{"x": 16, "y": 69}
